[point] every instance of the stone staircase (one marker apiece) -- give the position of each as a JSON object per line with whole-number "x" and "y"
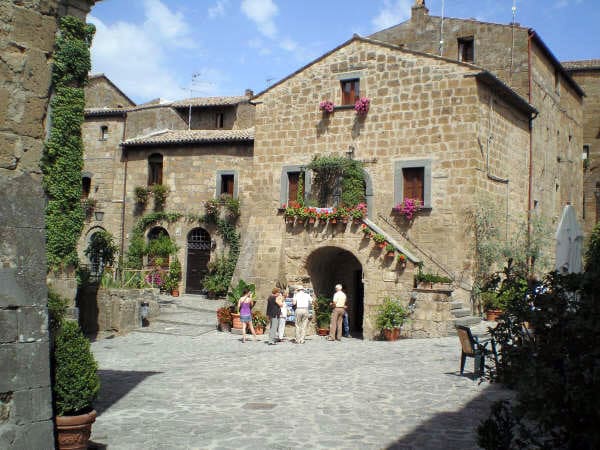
{"x": 462, "y": 316}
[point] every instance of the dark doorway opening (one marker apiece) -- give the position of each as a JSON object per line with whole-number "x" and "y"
{"x": 329, "y": 266}
{"x": 198, "y": 256}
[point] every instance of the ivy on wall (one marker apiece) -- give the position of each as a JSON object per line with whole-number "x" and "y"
{"x": 63, "y": 153}
{"x": 329, "y": 170}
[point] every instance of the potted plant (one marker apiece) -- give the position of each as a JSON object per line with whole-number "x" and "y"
{"x": 379, "y": 240}
{"x": 211, "y": 209}
{"x": 224, "y": 318}
{"x": 390, "y": 317}
{"x": 426, "y": 280}
{"x": 88, "y": 205}
{"x": 160, "y": 193}
{"x": 76, "y": 386}
{"x": 312, "y": 215}
{"x": 343, "y": 213}
{"x": 259, "y": 321}
{"x": 359, "y": 212}
{"x": 322, "y": 311}
{"x": 362, "y": 106}
{"x": 232, "y": 205}
{"x": 408, "y": 208}
{"x": 327, "y": 106}
{"x": 492, "y": 305}
{"x": 141, "y": 195}
{"x": 401, "y": 258}
{"x": 366, "y": 231}
{"x": 390, "y": 250}
{"x": 174, "y": 277}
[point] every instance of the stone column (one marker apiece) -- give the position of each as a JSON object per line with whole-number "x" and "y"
{"x": 27, "y": 34}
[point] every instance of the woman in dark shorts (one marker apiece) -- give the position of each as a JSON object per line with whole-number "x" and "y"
{"x": 245, "y": 308}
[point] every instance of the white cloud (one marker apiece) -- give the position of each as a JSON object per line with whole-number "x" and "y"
{"x": 262, "y": 13}
{"x": 136, "y": 55}
{"x": 288, "y": 45}
{"x": 392, "y": 13}
{"x": 218, "y": 10}
{"x": 564, "y": 3}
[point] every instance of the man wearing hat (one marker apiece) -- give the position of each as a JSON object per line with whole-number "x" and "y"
{"x": 337, "y": 317}
{"x": 302, "y": 301}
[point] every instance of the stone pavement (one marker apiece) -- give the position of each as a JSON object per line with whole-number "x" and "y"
{"x": 179, "y": 384}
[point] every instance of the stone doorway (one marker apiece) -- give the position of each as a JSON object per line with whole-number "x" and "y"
{"x": 328, "y": 266}
{"x": 198, "y": 256}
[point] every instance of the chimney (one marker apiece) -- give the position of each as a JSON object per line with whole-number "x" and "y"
{"x": 249, "y": 93}
{"x": 419, "y": 10}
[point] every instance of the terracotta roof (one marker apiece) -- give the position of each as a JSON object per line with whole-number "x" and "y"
{"x": 582, "y": 65}
{"x": 209, "y": 101}
{"x": 175, "y": 137}
{"x": 89, "y": 112}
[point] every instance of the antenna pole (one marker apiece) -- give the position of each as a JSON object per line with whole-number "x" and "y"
{"x": 442, "y": 31}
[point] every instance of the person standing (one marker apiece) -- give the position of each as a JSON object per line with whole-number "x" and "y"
{"x": 274, "y": 303}
{"x": 245, "y": 308}
{"x": 283, "y": 312}
{"x": 302, "y": 301}
{"x": 337, "y": 317}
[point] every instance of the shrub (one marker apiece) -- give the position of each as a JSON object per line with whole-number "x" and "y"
{"x": 224, "y": 315}
{"x": 76, "y": 382}
{"x": 57, "y": 308}
{"x": 259, "y": 319}
{"x": 390, "y": 314}
{"x": 160, "y": 192}
{"x": 322, "y": 311}
{"x": 236, "y": 292}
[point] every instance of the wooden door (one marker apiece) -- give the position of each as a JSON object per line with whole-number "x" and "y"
{"x": 198, "y": 256}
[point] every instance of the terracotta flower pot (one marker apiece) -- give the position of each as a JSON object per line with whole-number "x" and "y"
{"x": 74, "y": 431}
{"x": 389, "y": 254}
{"x": 491, "y": 315}
{"x": 382, "y": 245}
{"x": 323, "y": 331}
{"x": 237, "y": 323}
{"x": 225, "y": 326}
{"x": 259, "y": 330}
{"x": 175, "y": 293}
{"x": 311, "y": 220}
{"x": 289, "y": 219}
{"x": 333, "y": 220}
{"x": 391, "y": 335}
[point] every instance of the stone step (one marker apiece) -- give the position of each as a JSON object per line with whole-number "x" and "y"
{"x": 463, "y": 312}
{"x": 466, "y": 321}
{"x": 456, "y": 304}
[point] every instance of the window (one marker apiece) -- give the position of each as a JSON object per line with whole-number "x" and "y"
{"x": 290, "y": 183}
{"x": 227, "y": 183}
{"x": 104, "y": 132}
{"x": 220, "y": 120}
{"x": 350, "y": 91}
{"x": 155, "y": 169}
{"x": 293, "y": 186}
{"x": 412, "y": 179}
{"x": 86, "y": 185}
{"x": 466, "y": 49}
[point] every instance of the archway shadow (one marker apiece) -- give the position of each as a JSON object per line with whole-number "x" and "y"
{"x": 452, "y": 429}
{"x": 115, "y": 384}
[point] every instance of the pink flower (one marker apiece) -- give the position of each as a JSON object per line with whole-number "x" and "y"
{"x": 362, "y": 105}
{"x": 327, "y": 106}
{"x": 408, "y": 208}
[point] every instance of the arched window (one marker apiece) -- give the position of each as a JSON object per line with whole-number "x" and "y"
{"x": 160, "y": 247}
{"x": 155, "y": 169}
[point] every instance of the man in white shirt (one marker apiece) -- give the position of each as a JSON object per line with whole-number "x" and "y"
{"x": 302, "y": 301}
{"x": 337, "y": 316}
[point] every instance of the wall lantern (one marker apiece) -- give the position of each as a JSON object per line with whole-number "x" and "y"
{"x": 99, "y": 215}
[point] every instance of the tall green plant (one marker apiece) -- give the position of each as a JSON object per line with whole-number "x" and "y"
{"x": 102, "y": 244}
{"x": 330, "y": 171}
{"x": 63, "y": 153}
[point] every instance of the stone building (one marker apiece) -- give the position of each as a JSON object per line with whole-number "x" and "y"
{"x": 519, "y": 57}
{"x": 587, "y": 75}
{"x": 26, "y": 44}
{"x": 197, "y": 148}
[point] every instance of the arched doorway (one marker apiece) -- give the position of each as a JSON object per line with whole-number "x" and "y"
{"x": 95, "y": 259}
{"x": 328, "y": 266}
{"x": 156, "y": 248}
{"x": 198, "y": 256}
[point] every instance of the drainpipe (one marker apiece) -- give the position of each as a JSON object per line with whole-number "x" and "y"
{"x": 125, "y": 157}
{"x": 530, "y": 97}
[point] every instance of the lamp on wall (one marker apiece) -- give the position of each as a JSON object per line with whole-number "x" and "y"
{"x": 213, "y": 244}
{"x": 99, "y": 215}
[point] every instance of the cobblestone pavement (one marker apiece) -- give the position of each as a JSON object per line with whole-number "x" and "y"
{"x": 180, "y": 384}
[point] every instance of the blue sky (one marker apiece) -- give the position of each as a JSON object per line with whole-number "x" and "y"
{"x": 164, "y": 48}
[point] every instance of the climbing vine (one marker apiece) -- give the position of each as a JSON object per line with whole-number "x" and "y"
{"x": 137, "y": 245}
{"x": 329, "y": 170}
{"x": 63, "y": 153}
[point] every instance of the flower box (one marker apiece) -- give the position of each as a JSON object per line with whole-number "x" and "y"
{"x": 362, "y": 106}
{"x": 327, "y": 106}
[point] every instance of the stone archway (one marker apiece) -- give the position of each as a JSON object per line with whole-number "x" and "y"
{"x": 328, "y": 266}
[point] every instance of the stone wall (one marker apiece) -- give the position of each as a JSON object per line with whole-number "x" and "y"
{"x": 116, "y": 310}
{"x": 27, "y": 32}
{"x": 101, "y": 93}
{"x": 588, "y": 77}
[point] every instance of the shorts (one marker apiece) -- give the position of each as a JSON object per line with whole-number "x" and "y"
{"x": 246, "y": 319}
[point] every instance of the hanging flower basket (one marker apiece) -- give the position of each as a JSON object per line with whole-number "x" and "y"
{"x": 408, "y": 208}
{"x": 362, "y": 106}
{"x": 327, "y": 106}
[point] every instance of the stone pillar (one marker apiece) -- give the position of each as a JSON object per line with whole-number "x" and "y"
{"x": 26, "y": 42}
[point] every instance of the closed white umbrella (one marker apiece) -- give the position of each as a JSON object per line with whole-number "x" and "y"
{"x": 569, "y": 243}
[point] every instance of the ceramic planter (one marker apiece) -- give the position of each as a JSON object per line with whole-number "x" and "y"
{"x": 74, "y": 431}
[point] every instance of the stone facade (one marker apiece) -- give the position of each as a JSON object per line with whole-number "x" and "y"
{"x": 423, "y": 108}
{"x": 519, "y": 57}
{"x": 587, "y": 75}
{"x": 26, "y": 43}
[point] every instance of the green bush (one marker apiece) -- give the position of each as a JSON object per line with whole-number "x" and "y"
{"x": 236, "y": 292}
{"x": 161, "y": 247}
{"x": 322, "y": 308}
{"x": 390, "y": 314}
{"x": 76, "y": 382}
{"x": 57, "y": 308}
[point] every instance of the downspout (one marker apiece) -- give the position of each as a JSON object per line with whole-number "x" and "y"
{"x": 530, "y": 97}
{"x": 125, "y": 157}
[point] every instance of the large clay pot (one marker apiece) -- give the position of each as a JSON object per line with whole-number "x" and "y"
{"x": 491, "y": 315}
{"x": 225, "y": 326}
{"x": 259, "y": 330}
{"x": 175, "y": 293}
{"x": 323, "y": 331}
{"x": 237, "y": 323}
{"x": 74, "y": 431}
{"x": 391, "y": 335}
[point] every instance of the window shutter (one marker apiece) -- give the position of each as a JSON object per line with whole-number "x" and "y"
{"x": 413, "y": 183}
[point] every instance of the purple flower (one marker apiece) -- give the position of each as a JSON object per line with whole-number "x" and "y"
{"x": 327, "y": 106}
{"x": 408, "y": 207}
{"x": 362, "y": 105}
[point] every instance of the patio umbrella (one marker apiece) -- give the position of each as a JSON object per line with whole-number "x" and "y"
{"x": 569, "y": 243}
